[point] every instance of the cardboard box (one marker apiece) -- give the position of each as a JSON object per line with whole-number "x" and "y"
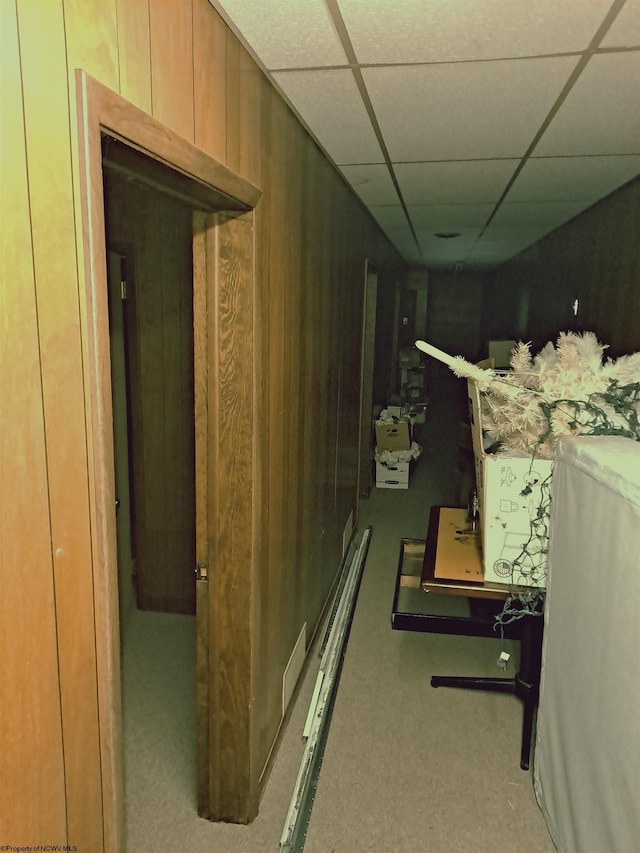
{"x": 415, "y": 413}
{"x": 392, "y": 476}
{"x": 393, "y": 436}
{"x": 511, "y": 490}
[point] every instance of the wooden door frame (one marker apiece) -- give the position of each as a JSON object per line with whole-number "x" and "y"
{"x": 100, "y": 110}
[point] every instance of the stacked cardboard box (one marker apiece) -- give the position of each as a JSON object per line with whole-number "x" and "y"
{"x": 511, "y": 492}
{"x": 392, "y": 436}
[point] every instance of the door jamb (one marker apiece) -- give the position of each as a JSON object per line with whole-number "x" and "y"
{"x": 102, "y": 110}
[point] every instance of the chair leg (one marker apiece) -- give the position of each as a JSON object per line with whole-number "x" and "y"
{"x": 528, "y": 715}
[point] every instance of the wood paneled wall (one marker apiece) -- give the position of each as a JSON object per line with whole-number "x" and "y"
{"x": 595, "y": 258}
{"x": 178, "y": 61}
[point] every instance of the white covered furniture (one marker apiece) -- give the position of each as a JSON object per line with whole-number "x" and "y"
{"x": 587, "y": 762}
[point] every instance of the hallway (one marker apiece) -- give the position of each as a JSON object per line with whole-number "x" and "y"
{"x": 407, "y": 769}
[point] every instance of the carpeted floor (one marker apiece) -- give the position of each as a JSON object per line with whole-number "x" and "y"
{"x": 407, "y": 769}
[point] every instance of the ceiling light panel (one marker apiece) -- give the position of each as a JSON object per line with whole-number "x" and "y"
{"x": 564, "y": 178}
{"x": 601, "y": 114}
{"x": 433, "y": 246}
{"x": 329, "y": 103}
{"x": 372, "y": 182}
{"x": 466, "y": 181}
{"x": 465, "y": 111}
{"x": 395, "y": 31}
{"x": 286, "y": 33}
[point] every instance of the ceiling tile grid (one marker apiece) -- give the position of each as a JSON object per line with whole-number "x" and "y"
{"x": 497, "y": 119}
{"x": 420, "y": 31}
{"x": 328, "y": 103}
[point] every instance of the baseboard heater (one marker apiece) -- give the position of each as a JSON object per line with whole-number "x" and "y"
{"x": 316, "y": 726}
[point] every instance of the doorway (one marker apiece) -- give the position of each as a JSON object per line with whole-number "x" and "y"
{"x": 225, "y": 450}
{"x": 150, "y": 286}
{"x": 150, "y": 280}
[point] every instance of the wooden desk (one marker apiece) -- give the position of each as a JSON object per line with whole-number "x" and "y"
{"x": 451, "y": 549}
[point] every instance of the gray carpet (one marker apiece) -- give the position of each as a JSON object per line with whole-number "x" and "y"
{"x": 407, "y": 768}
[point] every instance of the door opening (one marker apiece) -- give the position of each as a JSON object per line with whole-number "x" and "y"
{"x": 149, "y": 234}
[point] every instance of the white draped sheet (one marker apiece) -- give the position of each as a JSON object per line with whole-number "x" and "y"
{"x": 587, "y": 762}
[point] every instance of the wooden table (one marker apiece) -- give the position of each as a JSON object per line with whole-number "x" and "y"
{"x": 448, "y": 562}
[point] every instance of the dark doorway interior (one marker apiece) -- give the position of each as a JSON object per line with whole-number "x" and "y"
{"x": 149, "y": 227}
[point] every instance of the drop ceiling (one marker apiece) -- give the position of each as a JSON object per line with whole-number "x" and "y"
{"x": 493, "y": 120}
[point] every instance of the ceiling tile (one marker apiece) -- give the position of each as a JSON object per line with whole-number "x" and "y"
{"x": 502, "y": 238}
{"x": 449, "y": 217}
{"x": 329, "y": 103}
{"x": 395, "y": 31}
{"x": 465, "y": 111}
{"x": 372, "y": 182}
{"x": 537, "y": 214}
{"x": 601, "y": 114}
{"x": 403, "y": 240}
{"x": 390, "y": 215}
{"x": 298, "y": 35}
{"x": 625, "y": 30}
{"x": 459, "y": 181}
{"x": 564, "y": 178}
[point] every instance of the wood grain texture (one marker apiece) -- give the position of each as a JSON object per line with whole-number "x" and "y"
{"x": 231, "y": 407}
{"x": 91, "y": 38}
{"x": 209, "y": 62}
{"x": 201, "y": 224}
{"x": 94, "y": 313}
{"x": 244, "y": 94}
{"x": 278, "y": 401}
{"x": 54, "y": 255}
{"x": 134, "y": 52}
{"x": 102, "y": 108}
{"x": 149, "y": 135}
{"x": 30, "y": 712}
{"x": 282, "y": 319}
{"x": 171, "y": 35}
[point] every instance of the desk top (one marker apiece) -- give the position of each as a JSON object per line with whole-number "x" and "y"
{"x": 452, "y": 562}
{"x": 417, "y": 571}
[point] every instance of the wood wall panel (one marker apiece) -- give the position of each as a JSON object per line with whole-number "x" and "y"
{"x": 33, "y": 804}
{"x": 134, "y": 52}
{"x": 91, "y": 38}
{"x": 294, "y": 144}
{"x": 595, "y": 258}
{"x": 54, "y": 257}
{"x": 310, "y": 240}
{"x": 209, "y": 62}
{"x": 171, "y": 34}
{"x": 245, "y": 90}
{"x": 262, "y": 739}
{"x": 277, "y": 402}
{"x": 316, "y": 389}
